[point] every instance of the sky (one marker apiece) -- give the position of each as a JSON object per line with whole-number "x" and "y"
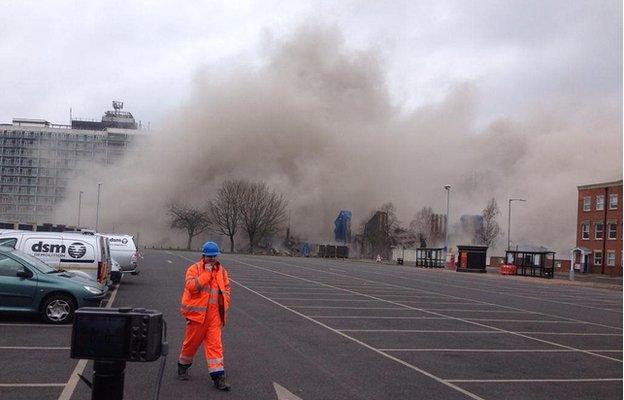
{"x": 518, "y": 54}
{"x": 338, "y": 104}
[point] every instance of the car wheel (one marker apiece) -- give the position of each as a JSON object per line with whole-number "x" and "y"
{"x": 58, "y": 309}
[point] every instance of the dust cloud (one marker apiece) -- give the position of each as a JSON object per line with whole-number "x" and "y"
{"x": 316, "y": 121}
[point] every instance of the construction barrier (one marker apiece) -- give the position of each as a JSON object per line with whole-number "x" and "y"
{"x": 507, "y": 269}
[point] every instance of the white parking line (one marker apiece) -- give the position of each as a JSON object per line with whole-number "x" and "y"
{"x": 352, "y": 308}
{"x": 32, "y": 348}
{"x": 70, "y": 386}
{"x": 471, "y": 321}
{"x": 531, "y": 380}
{"x": 417, "y": 331}
{"x": 10, "y": 385}
{"x": 413, "y": 367}
{"x": 294, "y": 298}
{"x": 441, "y": 380}
{"x": 488, "y": 289}
{"x": 522, "y": 320}
{"x": 465, "y": 310}
{"x": 372, "y": 316}
{"x": 498, "y": 350}
{"x": 446, "y": 295}
{"x": 38, "y": 325}
{"x": 308, "y": 293}
{"x": 571, "y": 333}
{"x": 409, "y": 330}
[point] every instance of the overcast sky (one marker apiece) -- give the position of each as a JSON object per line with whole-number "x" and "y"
{"x": 517, "y": 54}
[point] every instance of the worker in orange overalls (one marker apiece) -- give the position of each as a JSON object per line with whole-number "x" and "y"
{"x": 205, "y": 301}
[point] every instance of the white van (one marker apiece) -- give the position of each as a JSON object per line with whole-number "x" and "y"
{"x": 64, "y": 250}
{"x": 123, "y": 249}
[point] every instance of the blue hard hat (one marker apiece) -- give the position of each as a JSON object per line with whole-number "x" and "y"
{"x": 210, "y": 249}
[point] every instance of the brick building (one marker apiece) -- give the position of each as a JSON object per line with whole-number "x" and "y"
{"x": 599, "y": 229}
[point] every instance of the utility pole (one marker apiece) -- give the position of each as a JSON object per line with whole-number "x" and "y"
{"x": 448, "y": 195}
{"x": 79, "y": 206}
{"x": 97, "y": 210}
{"x": 509, "y": 222}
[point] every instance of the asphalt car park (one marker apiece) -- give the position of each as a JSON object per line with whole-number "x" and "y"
{"x": 329, "y": 329}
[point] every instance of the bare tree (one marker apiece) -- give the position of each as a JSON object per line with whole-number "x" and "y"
{"x": 225, "y": 209}
{"x": 193, "y": 220}
{"x": 421, "y": 225}
{"x": 262, "y": 211}
{"x": 378, "y": 230}
{"x": 489, "y": 232}
{"x": 393, "y": 221}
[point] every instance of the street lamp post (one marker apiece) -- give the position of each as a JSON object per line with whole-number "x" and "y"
{"x": 448, "y": 195}
{"x": 509, "y": 222}
{"x": 79, "y": 206}
{"x": 97, "y": 210}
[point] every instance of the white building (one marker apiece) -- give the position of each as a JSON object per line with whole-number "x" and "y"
{"x": 37, "y": 158}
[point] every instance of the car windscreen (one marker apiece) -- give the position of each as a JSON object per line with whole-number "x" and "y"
{"x": 8, "y": 242}
{"x": 37, "y": 263}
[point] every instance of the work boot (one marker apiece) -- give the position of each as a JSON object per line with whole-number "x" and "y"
{"x": 221, "y": 383}
{"x": 183, "y": 371}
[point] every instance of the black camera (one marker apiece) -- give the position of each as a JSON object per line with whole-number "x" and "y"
{"x": 117, "y": 334}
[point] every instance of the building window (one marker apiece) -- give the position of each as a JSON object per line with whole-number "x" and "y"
{"x": 585, "y": 231}
{"x": 597, "y": 257}
{"x": 611, "y": 258}
{"x": 600, "y": 202}
{"x": 613, "y": 200}
{"x": 586, "y": 203}
{"x": 612, "y": 230}
{"x": 599, "y": 230}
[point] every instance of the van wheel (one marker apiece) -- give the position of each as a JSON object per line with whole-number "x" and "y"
{"x": 58, "y": 309}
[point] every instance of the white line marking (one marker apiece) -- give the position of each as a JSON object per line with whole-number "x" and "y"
{"x": 498, "y": 350}
{"x": 522, "y": 320}
{"x": 572, "y": 333}
{"x": 351, "y": 308}
{"x": 8, "y": 385}
{"x": 440, "y": 302}
{"x": 283, "y": 393}
{"x": 70, "y": 386}
{"x": 450, "y": 296}
{"x": 441, "y": 315}
{"x": 306, "y": 293}
{"x": 437, "y": 378}
{"x": 169, "y": 262}
{"x": 372, "y": 317}
{"x": 313, "y": 299}
{"x": 32, "y": 348}
{"x": 422, "y": 331}
{"x": 464, "y": 310}
{"x": 532, "y": 380}
{"x": 38, "y": 325}
{"x": 488, "y": 289}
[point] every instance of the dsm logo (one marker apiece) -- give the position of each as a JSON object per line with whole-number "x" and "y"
{"x": 76, "y": 250}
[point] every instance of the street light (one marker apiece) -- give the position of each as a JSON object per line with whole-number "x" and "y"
{"x": 97, "y": 210}
{"x": 448, "y": 195}
{"x": 509, "y": 222}
{"x": 79, "y": 206}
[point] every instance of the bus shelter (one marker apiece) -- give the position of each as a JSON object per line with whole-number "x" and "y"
{"x": 532, "y": 263}
{"x": 471, "y": 258}
{"x": 430, "y": 257}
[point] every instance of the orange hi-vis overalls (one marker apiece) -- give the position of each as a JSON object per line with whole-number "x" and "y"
{"x": 205, "y": 301}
